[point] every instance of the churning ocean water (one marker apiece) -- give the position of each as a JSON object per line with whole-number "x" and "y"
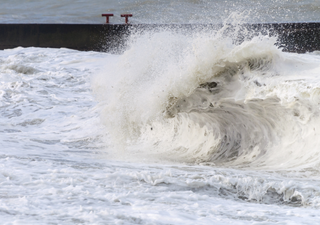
{"x": 180, "y": 128}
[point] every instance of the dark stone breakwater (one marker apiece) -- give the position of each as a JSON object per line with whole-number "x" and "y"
{"x": 292, "y": 37}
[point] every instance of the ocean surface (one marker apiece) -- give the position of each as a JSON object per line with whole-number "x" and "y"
{"x": 157, "y": 11}
{"x": 178, "y": 129}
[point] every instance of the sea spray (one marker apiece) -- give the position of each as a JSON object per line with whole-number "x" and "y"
{"x": 262, "y": 168}
{"x": 206, "y": 97}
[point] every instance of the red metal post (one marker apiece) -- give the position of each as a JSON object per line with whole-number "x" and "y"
{"x": 107, "y": 17}
{"x": 126, "y": 16}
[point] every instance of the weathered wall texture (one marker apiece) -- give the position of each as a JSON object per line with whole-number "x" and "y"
{"x": 293, "y": 37}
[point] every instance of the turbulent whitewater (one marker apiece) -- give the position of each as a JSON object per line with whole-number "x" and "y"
{"x": 204, "y": 99}
{"x": 182, "y": 127}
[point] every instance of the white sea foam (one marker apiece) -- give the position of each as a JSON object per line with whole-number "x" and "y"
{"x": 214, "y": 104}
{"x": 180, "y": 129}
{"x": 261, "y": 109}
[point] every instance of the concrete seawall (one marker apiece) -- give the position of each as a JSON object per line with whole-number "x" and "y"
{"x": 292, "y": 37}
{"x": 75, "y": 36}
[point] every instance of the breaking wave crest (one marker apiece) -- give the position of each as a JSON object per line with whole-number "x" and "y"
{"x": 205, "y": 97}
